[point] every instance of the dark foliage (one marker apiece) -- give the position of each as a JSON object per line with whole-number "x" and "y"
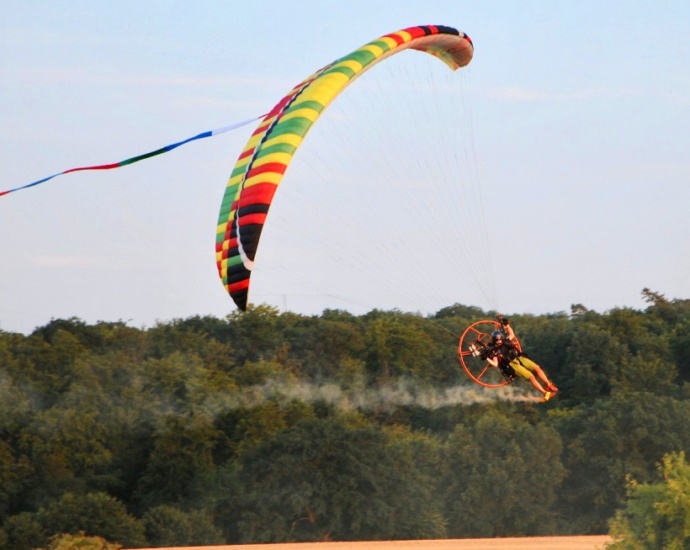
{"x": 281, "y": 427}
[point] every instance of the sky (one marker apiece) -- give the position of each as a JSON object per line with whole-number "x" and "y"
{"x": 567, "y": 174}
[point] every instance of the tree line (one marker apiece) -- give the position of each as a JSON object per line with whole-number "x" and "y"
{"x": 274, "y": 427}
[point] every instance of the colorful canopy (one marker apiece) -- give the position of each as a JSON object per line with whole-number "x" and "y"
{"x": 262, "y": 164}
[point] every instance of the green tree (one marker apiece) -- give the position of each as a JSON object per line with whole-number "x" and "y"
{"x": 680, "y": 347}
{"x": 334, "y": 478}
{"x": 398, "y": 345}
{"x": 547, "y": 339}
{"x": 80, "y": 542}
{"x": 501, "y": 477}
{"x": 69, "y": 445}
{"x": 9, "y": 363}
{"x": 414, "y": 482}
{"x": 173, "y": 420}
{"x": 652, "y": 375}
{"x": 94, "y": 514}
{"x": 593, "y": 359}
{"x": 670, "y": 311}
{"x": 254, "y": 334}
{"x": 169, "y": 526}
{"x": 656, "y": 515}
{"x": 47, "y": 365}
{"x": 609, "y": 440}
{"x": 320, "y": 345}
{"x": 182, "y": 454}
{"x": 24, "y": 532}
{"x": 242, "y": 429}
{"x": 466, "y": 314}
{"x": 15, "y": 475}
{"x": 88, "y": 335}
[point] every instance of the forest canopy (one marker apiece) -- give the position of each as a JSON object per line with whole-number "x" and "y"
{"x": 271, "y": 427}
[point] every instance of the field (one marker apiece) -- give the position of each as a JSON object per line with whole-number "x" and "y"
{"x": 526, "y": 543}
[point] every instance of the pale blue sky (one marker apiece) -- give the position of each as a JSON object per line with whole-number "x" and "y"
{"x": 574, "y": 120}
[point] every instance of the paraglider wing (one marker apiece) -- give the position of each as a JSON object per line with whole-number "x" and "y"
{"x": 264, "y": 160}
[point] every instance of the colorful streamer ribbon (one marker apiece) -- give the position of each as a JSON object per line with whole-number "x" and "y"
{"x": 132, "y": 160}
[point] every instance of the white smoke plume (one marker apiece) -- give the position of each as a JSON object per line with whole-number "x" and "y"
{"x": 379, "y": 398}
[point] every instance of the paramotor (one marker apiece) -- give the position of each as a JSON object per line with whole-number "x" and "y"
{"x": 472, "y": 341}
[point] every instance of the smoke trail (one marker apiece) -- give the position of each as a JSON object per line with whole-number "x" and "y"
{"x": 386, "y": 397}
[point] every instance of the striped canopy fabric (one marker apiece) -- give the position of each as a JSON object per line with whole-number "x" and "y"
{"x": 264, "y": 160}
